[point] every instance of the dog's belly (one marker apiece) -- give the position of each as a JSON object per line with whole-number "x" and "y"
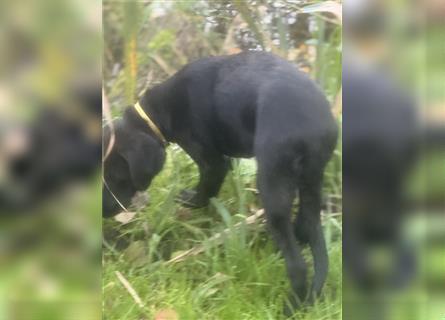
{"x": 235, "y": 149}
{"x": 234, "y": 141}
{"x": 234, "y": 125}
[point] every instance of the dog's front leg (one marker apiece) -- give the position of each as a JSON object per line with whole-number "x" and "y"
{"x": 213, "y": 168}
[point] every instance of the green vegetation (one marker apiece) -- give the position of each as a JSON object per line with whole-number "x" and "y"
{"x": 244, "y": 276}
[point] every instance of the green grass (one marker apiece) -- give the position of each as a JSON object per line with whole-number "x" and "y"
{"x": 243, "y": 278}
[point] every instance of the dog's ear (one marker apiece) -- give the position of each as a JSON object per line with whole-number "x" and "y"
{"x": 145, "y": 158}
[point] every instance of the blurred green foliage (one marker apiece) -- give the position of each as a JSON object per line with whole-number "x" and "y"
{"x": 50, "y": 254}
{"x": 170, "y": 34}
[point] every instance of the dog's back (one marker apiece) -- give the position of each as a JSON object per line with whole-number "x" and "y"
{"x": 238, "y": 93}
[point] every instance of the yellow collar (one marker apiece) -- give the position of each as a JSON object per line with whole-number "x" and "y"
{"x": 150, "y": 123}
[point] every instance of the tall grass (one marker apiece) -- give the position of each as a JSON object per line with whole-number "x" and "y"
{"x": 244, "y": 278}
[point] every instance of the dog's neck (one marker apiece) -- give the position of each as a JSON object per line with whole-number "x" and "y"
{"x": 150, "y": 106}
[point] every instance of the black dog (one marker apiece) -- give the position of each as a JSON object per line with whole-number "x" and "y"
{"x": 250, "y": 104}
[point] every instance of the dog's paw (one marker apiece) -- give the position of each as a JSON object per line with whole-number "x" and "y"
{"x": 288, "y": 311}
{"x": 191, "y": 199}
{"x": 290, "y": 308}
{"x": 293, "y": 304}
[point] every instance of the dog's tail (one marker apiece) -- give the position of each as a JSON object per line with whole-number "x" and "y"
{"x": 316, "y": 154}
{"x": 321, "y": 262}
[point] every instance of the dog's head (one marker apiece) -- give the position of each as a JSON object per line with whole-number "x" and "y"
{"x": 135, "y": 158}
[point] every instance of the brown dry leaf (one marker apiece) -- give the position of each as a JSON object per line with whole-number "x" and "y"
{"x": 233, "y": 50}
{"x": 293, "y": 54}
{"x": 305, "y": 69}
{"x": 184, "y": 214}
{"x": 125, "y": 217}
{"x": 332, "y": 7}
{"x": 167, "y": 314}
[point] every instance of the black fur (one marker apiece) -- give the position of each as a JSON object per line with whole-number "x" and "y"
{"x": 245, "y": 105}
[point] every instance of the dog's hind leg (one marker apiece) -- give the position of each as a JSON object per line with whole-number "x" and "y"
{"x": 278, "y": 190}
{"x": 308, "y": 225}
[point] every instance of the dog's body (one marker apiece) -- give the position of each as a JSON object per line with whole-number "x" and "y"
{"x": 250, "y": 104}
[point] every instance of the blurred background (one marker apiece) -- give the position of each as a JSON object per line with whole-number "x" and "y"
{"x": 241, "y": 276}
{"x": 393, "y": 159}
{"x": 50, "y": 149}
{"x": 50, "y": 124}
